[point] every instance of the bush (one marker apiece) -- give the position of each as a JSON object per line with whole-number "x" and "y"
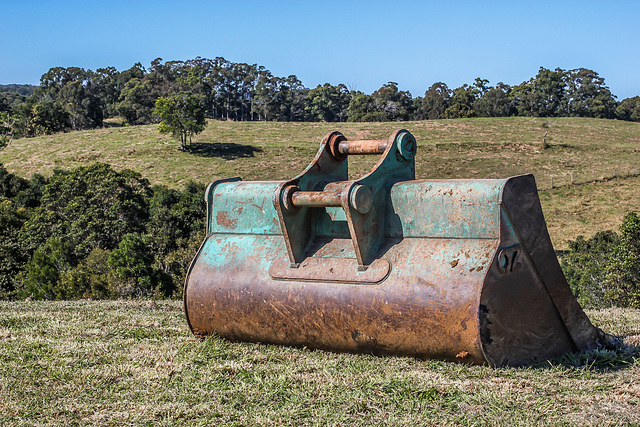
{"x": 132, "y": 263}
{"x": 175, "y": 264}
{"x": 622, "y": 273}
{"x": 11, "y": 184}
{"x": 175, "y": 232}
{"x": 94, "y": 232}
{"x": 12, "y": 257}
{"x": 41, "y": 277}
{"x": 92, "y": 278}
{"x": 92, "y": 207}
{"x": 604, "y": 271}
{"x": 584, "y": 267}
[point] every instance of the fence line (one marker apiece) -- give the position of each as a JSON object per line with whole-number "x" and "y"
{"x": 592, "y": 175}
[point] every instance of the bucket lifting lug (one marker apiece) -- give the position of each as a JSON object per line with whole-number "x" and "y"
{"x": 364, "y": 200}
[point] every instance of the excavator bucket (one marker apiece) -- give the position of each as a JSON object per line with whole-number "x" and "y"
{"x": 459, "y": 269}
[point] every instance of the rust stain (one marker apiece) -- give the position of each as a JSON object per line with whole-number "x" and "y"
{"x": 366, "y": 291}
{"x": 225, "y": 221}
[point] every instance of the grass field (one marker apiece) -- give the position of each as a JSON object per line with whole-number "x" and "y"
{"x": 465, "y": 148}
{"x": 136, "y": 363}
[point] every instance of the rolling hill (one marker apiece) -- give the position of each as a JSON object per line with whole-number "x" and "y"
{"x": 592, "y": 164}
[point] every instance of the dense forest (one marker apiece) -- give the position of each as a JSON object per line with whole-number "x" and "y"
{"x": 74, "y": 98}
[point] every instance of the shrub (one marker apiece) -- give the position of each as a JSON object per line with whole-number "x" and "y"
{"x": 11, "y": 184}
{"x": 622, "y": 273}
{"x": 91, "y": 278}
{"x": 12, "y": 257}
{"x": 132, "y": 265}
{"x": 92, "y": 207}
{"x": 41, "y": 277}
{"x": 94, "y": 232}
{"x": 604, "y": 271}
{"x": 584, "y": 267}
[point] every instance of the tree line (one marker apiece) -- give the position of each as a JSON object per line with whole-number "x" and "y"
{"x": 74, "y": 98}
{"x": 94, "y": 232}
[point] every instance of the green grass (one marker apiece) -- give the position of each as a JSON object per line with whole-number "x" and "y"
{"x": 136, "y": 363}
{"x": 464, "y": 148}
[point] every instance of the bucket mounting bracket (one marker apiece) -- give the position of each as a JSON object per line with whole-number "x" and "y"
{"x": 324, "y": 183}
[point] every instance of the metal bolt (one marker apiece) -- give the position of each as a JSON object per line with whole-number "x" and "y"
{"x": 287, "y": 195}
{"x": 360, "y": 198}
{"x": 407, "y": 145}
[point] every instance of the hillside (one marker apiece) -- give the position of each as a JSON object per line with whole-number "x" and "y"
{"x": 24, "y": 90}
{"x": 580, "y": 149}
{"x": 134, "y": 362}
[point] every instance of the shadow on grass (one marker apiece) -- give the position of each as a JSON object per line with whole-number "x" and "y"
{"x": 614, "y": 357}
{"x": 112, "y": 124}
{"x": 224, "y": 150}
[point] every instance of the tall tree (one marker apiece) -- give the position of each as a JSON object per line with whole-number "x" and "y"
{"x": 47, "y": 118}
{"x": 105, "y": 81}
{"x": 541, "y": 96}
{"x": 629, "y": 109}
{"x": 482, "y": 86}
{"x": 76, "y": 91}
{"x": 328, "y": 103}
{"x": 182, "y": 115}
{"x": 495, "y": 102}
{"x": 393, "y": 103}
{"x": 361, "y": 108}
{"x": 265, "y": 101}
{"x": 587, "y": 96}
{"x": 525, "y": 98}
{"x": 295, "y": 99}
{"x": 550, "y": 86}
{"x": 136, "y": 102}
{"x": 435, "y": 101}
{"x": 461, "y": 104}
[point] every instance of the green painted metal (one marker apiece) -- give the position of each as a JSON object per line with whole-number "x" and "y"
{"x": 240, "y": 207}
{"x": 451, "y": 269}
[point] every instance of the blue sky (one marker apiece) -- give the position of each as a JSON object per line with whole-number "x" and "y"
{"x": 361, "y": 44}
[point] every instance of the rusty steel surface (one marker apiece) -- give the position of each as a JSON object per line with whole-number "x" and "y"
{"x": 316, "y": 198}
{"x": 385, "y": 264}
{"x": 362, "y": 147}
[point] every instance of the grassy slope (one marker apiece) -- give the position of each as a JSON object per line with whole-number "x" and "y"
{"x": 469, "y": 148}
{"x": 135, "y": 363}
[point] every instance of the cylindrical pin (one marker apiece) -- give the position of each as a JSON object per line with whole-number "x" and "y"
{"x": 361, "y": 199}
{"x": 364, "y": 146}
{"x": 316, "y": 198}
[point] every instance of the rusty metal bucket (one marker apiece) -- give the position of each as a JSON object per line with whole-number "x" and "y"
{"x": 385, "y": 264}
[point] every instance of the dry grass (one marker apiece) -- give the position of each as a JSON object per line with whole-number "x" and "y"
{"x": 135, "y": 363}
{"x": 465, "y": 148}
{"x": 585, "y": 209}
